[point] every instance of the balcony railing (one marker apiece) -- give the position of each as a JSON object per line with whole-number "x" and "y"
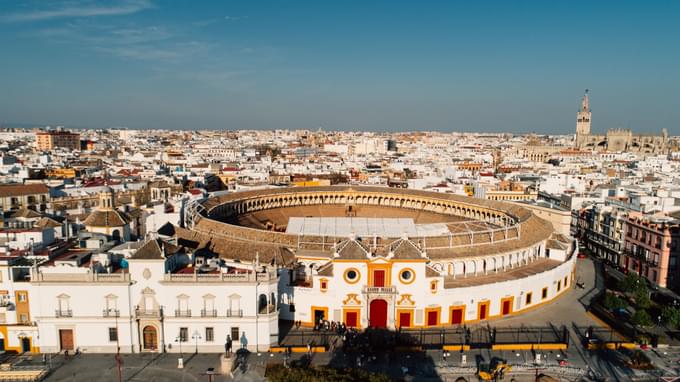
{"x": 111, "y": 313}
{"x": 219, "y": 277}
{"x": 182, "y": 313}
{"x": 380, "y": 290}
{"x": 208, "y": 313}
{"x": 63, "y": 313}
{"x": 155, "y": 313}
{"x": 234, "y": 312}
{"x": 79, "y": 277}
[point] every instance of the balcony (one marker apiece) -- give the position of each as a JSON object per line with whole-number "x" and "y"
{"x": 149, "y": 313}
{"x": 182, "y": 312}
{"x": 111, "y": 313}
{"x": 40, "y": 276}
{"x": 234, "y": 312}
{"x": 208, "y": 313}
{"x": 63, "y": 313}
{"x": 380, "y": 290}
{"x": 219, "y": 277}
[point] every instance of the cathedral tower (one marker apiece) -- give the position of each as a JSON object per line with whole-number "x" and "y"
{"x": 583, "y": 121}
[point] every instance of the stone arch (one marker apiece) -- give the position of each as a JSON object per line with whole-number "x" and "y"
{"x": 458, "y": 268}
{"x": 471, "y": 267}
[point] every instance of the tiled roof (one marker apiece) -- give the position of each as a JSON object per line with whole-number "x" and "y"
{"x": 7, "y": 190}
{"x": 352, "y": 250}
{"x": 155, "y": 249}
{"x": 22, "y": 213}
{"x": 236, "y": 249}
{"x": 405, "y": 249}
{"x": 107, "y": 218}
{"x": 326, "y": 270}
{"x": 46, "y": 222}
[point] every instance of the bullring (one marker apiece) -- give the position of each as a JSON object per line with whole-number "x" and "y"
{"x": 418, "y": 259}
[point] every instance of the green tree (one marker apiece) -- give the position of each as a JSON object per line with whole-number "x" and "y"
{"x": 612, "y": 301}
{"x": 642, "y": 299}
{"x": 671, "y": 316}
{"x": 642, "y": 318}
{"x": 632, "y": 283}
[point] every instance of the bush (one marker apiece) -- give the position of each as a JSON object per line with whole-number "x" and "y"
{"x": 642, "y": 299}
{"x": 279, "y": 373}
{"x": 671, "y": 316}
{"x": 633, "y": 284}
{"x": 642, "y": 318}
{"x": 612, "y": 301}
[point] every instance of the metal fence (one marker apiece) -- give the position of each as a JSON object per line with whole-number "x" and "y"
{"x": 427, "y": 338}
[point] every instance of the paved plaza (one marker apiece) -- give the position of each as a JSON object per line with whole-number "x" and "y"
{"x": 431, "y": 365}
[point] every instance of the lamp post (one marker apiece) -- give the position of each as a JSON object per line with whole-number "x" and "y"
{"x": 196, "y": 336}
{"x": 119, "y": 362}
{"x": 257, "y": 314}
{"x": 180, "y": 360}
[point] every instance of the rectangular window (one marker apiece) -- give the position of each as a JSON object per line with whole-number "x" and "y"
{"x": 234, "y": 333}
{"x": 113, "y": 334}
{"x": 527, "y": 300}
{"x": 209, "y": 334}
{"x": 183, "y": 334}
{"x": 565, "y": 281}
{"x": 544, "y": 293}
{"x": 23, "y": 317}
{"x": 22, "y": 297}
{"x": 559, "y": 285}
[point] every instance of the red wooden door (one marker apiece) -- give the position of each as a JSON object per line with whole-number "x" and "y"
{"x": 405, "y": 319}
{"x": 482, "y": 311}
{"x": 378, "y": 314}
{"x": 66, "y": 339}
{"x": 351, "y": 319}
{"x": 456, "y": 316}
{"x": 379, "y": 278}
{"x": 506, "y": 307}
{"x": 432, "y": 318}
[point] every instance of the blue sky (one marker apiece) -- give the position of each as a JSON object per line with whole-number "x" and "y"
{"x": 518, "y": 66}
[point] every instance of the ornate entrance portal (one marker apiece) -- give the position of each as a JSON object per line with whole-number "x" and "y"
{"x": 378, "y": 314}
{"x": 150, "y": 338}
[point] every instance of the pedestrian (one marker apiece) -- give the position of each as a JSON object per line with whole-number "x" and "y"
{"x": 227, "y": 345}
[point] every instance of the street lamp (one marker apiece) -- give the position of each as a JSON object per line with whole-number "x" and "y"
{"x": 180, "y": 360}
{"x": 196, "y": 336}
{"x": 179, "y": 340}
{"x": 257, "y": 315}
{"x": 119, "y": 362}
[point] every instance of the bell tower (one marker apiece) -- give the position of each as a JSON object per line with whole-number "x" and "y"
{"x": 106, "y": 199}
{"x": 583, "y": 121}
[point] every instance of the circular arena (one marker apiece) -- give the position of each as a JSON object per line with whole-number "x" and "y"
{"x": 391, "y": 258}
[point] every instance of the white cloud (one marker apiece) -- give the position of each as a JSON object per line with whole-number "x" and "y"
{"x": 235, "y": 18}
{"x": 69, "y": 10}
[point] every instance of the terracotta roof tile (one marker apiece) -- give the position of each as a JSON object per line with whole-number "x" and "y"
{"x": 7, "y": 190}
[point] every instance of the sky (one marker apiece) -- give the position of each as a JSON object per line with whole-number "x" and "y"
{"x": 488, "y": 66}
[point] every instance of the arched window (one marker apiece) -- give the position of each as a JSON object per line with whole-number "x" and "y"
{"x": 262, "y": 304}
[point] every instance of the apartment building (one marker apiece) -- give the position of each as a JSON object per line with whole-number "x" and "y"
{"x": 50, "y": 140}
{"x": 35, "y": 196}
{"x": 651, "y": 248}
